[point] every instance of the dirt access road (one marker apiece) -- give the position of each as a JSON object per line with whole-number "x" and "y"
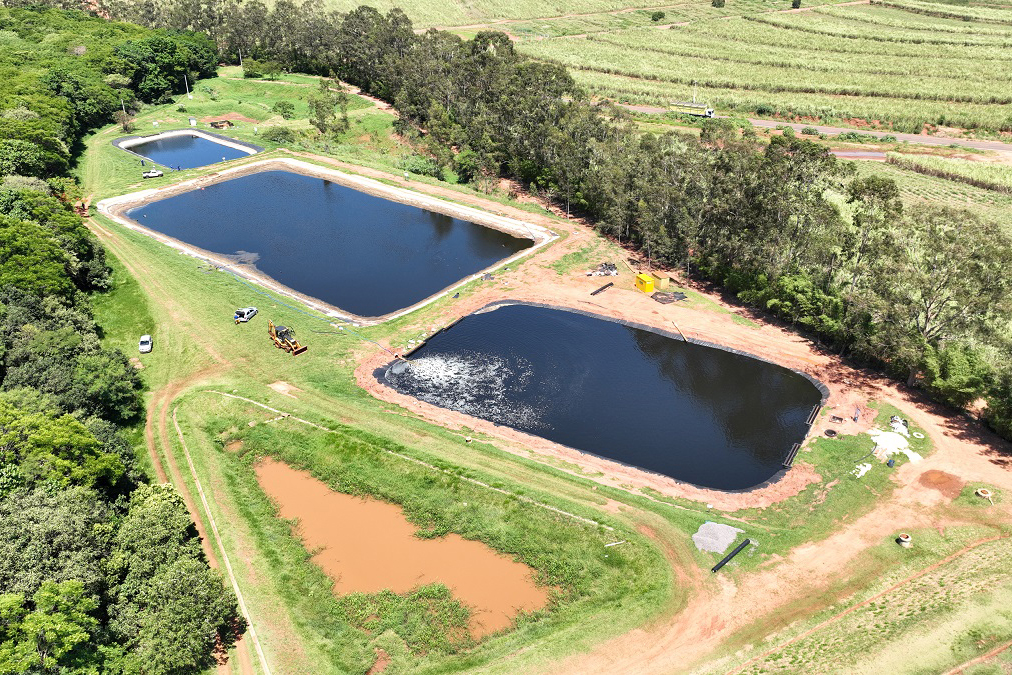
{"x": 923, "y": 139}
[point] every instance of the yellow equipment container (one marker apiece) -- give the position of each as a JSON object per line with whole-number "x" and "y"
{"x": 645, "y": 283}
{"x": 661, "y": 281}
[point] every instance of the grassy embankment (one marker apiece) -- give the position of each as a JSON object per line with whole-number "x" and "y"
{"x": 188, "y": 308}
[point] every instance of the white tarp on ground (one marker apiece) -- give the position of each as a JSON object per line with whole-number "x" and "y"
{"x": 888, "y": 443}
{"x": 715, "y": 537}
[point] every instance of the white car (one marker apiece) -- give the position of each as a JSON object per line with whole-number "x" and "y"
{"x": 145, "y": 344}
{"x": 245, "y": 314}
{"x": 152, "y": 173}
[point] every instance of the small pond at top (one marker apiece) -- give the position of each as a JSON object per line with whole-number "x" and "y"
{"x": 186, "y": 151}
{"x": 698, "y": 414}
{"x": 367, "y": 255}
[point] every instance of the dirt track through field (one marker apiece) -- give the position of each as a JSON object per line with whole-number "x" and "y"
{"x": 155, "y": 428}
{"x": 865, "y": 603}
{"x": 980, "y": 659}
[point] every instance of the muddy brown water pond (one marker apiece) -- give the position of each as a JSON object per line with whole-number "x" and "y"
{"x": 367, "y": 545}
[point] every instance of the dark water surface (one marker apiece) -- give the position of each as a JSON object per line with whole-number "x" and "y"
{"x": 367, "y": 255}
{"x": 697, "y": 414}
{"x": 186, "y": 152}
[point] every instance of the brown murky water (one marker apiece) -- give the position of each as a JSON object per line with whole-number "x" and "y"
{"x": 367, "y": 545}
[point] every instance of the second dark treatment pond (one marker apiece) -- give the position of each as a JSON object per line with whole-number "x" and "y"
{"x": 364, "y": 254}
{"x": 698, "y": 414}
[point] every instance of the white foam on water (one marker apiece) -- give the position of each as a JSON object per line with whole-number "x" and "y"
{"x": 475, "y": 384}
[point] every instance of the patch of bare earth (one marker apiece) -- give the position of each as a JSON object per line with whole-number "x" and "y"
{"x": 284, "y": 388}
{"x": 233, "y": 116}
{"x": 382, "y": 661}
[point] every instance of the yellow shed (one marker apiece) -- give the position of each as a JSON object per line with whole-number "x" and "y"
{"x": 645, "y": 283}
{"x": 661, "y": 281}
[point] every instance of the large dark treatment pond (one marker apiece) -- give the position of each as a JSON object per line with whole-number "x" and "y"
{"x": 698, "y": 414}
{"x": 186, "y": 151}
{"x": 364, "y": 254}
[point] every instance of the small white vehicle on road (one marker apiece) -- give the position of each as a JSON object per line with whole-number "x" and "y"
{"x": 152, "y": 173}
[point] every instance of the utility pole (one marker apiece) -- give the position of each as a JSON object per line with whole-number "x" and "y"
{"x": 694, "y": 83}
{"x": 187, "y": 85}
{"x": 240, "y": 58}
{"x": 122, "y": 105}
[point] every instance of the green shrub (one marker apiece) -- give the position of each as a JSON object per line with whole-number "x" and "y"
{"x": 809, "y": 131}
{"x": 251, "y": 69}
{"x": 284, "y": 108}
{"x": 423, "y": 166}
{"x": 717, "y": 3}
{"x": 656, "y": 16}
{"x": 795, "y": 4}
{"x": 278, "y": 135}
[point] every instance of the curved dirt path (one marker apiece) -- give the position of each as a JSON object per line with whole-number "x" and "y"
{"x": 864, "y": 603}
{"x": 156, "y": 428}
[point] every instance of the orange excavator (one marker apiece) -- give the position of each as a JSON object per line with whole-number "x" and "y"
{"x": 284, "y": 338}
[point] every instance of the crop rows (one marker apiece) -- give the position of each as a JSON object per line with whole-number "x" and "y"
{"x": 682, "y": 42}
{"x": 822, "y": 24}
{"x": 986, "y": 175}
{"x": 654, "y": 64}
{"x": 787, "y": 35}
{"x": 917, "y": 188}
{"x": 933, "y": 598}
{"x": 889, "y": 16}
{"x": 875, "y": 63}
{"x": 982, "y": 14}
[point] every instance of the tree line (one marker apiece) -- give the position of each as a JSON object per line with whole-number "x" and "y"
{"x": 99, "y": 570}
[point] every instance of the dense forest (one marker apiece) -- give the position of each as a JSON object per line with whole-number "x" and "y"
{"x": 921, "y": 293}
{"x": 99, "y": 570}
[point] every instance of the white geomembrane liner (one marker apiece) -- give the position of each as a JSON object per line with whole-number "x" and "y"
{"x": 474, "y": 384}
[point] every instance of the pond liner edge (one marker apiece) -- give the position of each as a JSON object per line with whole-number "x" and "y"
{"x": 381, "y": 372}
{"x": 118, "y": 143}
